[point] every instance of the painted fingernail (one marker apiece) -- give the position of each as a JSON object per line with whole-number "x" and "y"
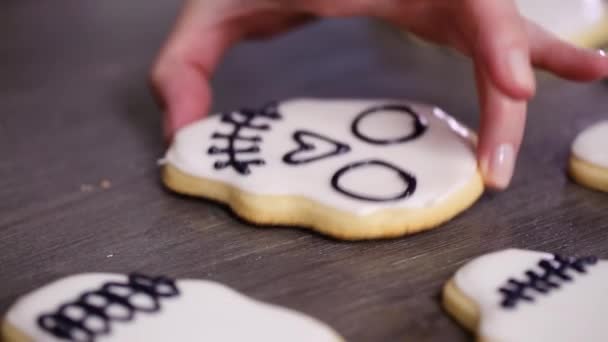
{"x": 501, "y": 166}
{"x": 519, "y": 63}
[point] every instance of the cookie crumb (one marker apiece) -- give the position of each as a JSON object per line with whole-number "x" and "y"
{"x": 105, "y": 184}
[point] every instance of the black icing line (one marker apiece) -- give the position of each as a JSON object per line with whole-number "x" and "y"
{"x": 95, "y": 306}
{"x": 420, "y": 124}
{"x": 408, "y": 180}
{"x": 552, "y": 276}
{"x": 241, "y": 120}
{"x": 303, "y": 146}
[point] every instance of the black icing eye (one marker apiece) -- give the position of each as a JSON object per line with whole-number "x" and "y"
{"x": 408, "y": 181}
{"x": 410, "y": 131}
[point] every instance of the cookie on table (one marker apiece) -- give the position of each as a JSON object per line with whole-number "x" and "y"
{"x": 589, "y": 157}
{"x": 584, "y": 23}
{"x": 519, "y": 295}
{"x": 129, "y": 308}
{"x": 351, "y": 169}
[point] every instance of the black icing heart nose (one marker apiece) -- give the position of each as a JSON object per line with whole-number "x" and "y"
{"x": 307, "y": 151}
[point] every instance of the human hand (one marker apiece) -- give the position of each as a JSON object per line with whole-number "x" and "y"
{"x": 503, "y": 45}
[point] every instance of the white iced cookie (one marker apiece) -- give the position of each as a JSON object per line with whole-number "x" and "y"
{"x": 589, "y": 157}
{"x": 517, "y": 295}
{"x": 112, "y": 307}
{"x": 352, "y": 169}
{"x": 584, "y": 22}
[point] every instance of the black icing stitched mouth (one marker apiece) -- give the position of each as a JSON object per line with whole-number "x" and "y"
{"x": 91, "y": 314}
{"x": 241, "y": 120}
{"x": 294, "y": 157}
{"x": 552, "y": 276}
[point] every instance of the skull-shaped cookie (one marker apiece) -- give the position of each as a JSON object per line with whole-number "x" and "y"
{"x": 353, "y": 169}
{"x": 518, "y": 295}
{"x": 126, "y": 308}
{"x": 581, "y": 22}
{"x": 589, "y": 157}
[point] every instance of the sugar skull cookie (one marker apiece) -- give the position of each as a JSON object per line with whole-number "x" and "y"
{"x": 129, "y": 308}
{"x": 589, "y": 157}
{"x": 352, "y": 169}
{"x": 584, "y": 22}
{"x": 518, "y": 295}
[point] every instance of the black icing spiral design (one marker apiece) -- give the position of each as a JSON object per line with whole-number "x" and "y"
{"x": 91, "y": 314}
{"x": 553, "y": 273}
{"x": 242, "y": 119}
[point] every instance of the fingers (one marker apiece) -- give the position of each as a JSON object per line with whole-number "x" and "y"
{"x": 564, "y": 59}
{"x": 183, "y": 93}
{"x": 502, "y": 47}
{"x": 505, "y": 81}
{"x": 502, "y": 126}
{"x": 181, "y": 75}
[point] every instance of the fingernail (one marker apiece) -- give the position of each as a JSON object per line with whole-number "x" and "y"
{"x": 519, "y": 62}
{"x": 499, "y": 169}
{"x": 601, "y": 52}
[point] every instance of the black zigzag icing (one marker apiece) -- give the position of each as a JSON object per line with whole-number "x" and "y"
{"x": 552, "y": 276}
{"x": 240, "y": 120}
{"x": 93, "y": 312}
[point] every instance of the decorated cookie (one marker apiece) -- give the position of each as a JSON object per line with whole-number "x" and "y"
{"x": 584, "y": 22}
{"x": 519, "y": 295}
{"x": 352, "y": 169}
{"x": 113, "y": 307}
{"x": 589, "y": 157}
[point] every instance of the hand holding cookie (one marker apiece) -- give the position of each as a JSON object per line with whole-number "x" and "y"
{"x": 503, "y": 45}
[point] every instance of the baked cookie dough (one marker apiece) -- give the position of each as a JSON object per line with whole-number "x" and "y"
{"x": 351, "y": 169}
{"x": 127, "y": 308}
{"x": 582, "y": 22}
{"x": 518, "y": 295}
{"x": 589, "y": 157}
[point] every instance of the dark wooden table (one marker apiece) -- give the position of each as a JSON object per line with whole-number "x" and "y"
{"x": 75, "y": 112}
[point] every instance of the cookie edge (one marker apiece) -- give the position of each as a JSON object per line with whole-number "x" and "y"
{"x": 299, "y": 211}
{"x": 10, "y": 333}
{"x": 462, "y": 308}
{"x": 587, "y": 174}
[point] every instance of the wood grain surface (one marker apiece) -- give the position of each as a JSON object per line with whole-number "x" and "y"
{"x": 75, "y": 112}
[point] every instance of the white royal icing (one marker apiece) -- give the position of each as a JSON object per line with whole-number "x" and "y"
{"x": 568, "y": 19}
{"x": 576, "y": 311}
{"x": 202, "y": 311}
{"x": 442, "y": 159}
{"x": 591, "y": 145}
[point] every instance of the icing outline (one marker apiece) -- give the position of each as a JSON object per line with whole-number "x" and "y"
{"x": 420, "y": 124}
{"x": 406, "y": 177}
{"x": 552, "y": 276}
{"x": 290, "y": 157}
{"x": 97, "y": 304}
{"x": 269, "y": 112}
